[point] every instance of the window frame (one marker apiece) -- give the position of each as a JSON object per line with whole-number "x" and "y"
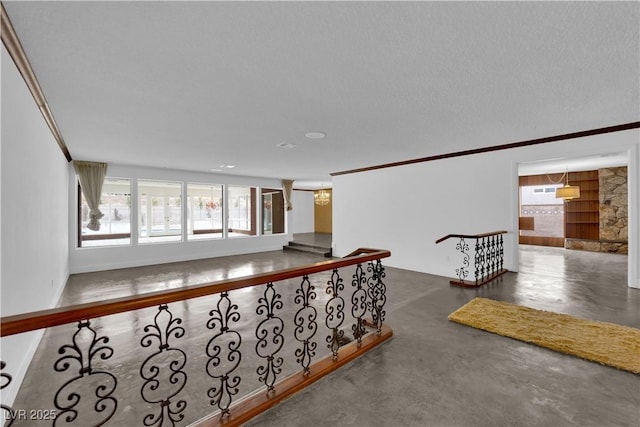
{"x": 251, "y": 193}
{"x": 168, "y": 236}
{"x": 215, "y": 234}
{"x": 106, "y": 237}
{"x": 252, "y": 231}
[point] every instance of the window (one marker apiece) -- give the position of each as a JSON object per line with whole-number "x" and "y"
{"x": 272, "y": 211}
{"x": 204, "y": 206}
{"x": 543, "y": 191}
{"x": 242, "y": 211}
{"x": 159, "y": 211}
{"x": 165, "y": 211}
{"x": 115, "y": 225}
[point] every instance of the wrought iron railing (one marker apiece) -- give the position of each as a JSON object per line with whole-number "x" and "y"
{"x": 221, "y": 344}
{"x": 488, "y": 257}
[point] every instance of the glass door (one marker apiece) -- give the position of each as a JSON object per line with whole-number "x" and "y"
{"x": 160, "y": 213}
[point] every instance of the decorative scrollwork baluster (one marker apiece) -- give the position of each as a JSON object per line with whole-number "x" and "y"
{"x": 487, "y": 257}
{"x": 377, "y": 292}
{"x": 477, "y": 261}
{"x": 164, "y": 327}
{"x": 306, "y": 325}
{"x": 483, "y": 258}
{"x": 8, "y": 411}
{"x": 85, "y": 347}
{"x": 335, "y": 313}
{"x": 267, "y": 306}
{"x": 222, "y": 316}
{"x": 500, "y": 253}
{"x": 463, "y": 247}
{"x": 359, "y": 303}
{"x": 494, "y": 253}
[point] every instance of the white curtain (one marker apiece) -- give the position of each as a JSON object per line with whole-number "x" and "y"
{"x": 287, "y": 184}
{"x": 91, "y": 177}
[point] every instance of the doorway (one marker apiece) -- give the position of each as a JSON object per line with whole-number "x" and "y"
{"x": 322, "y": 214}
{"x": 588, "y": 219}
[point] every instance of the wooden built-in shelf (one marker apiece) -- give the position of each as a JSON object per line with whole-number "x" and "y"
{"x": 582, "y": 216}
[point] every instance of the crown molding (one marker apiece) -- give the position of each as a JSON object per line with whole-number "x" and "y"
{"x": 573, "y": 135}
{"x": 19, "y": 57}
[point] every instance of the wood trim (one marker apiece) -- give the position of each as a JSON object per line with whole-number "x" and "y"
{"x": 209, "y": 231}
{"x": 242, "y": 231}
{"x": 16, "y": 324}
{"x": 483, "y": 281}
{"x": 14, "y": 47}
{"x": 470, "y": 236}
{"x": 254, "y": 211}
{"x": 557, "y": 242}
{"x": 106, "y": 236}
{"x": 526, "y": 223}
{"x": 79, "y": 217}
{"x": 258, "y": 402}
{"x": 581, "y": 134}
{"x": 544, "y": 179}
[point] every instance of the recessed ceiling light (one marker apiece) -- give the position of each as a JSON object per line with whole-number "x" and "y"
{"x": 315, "y": 135}
{"x": 286, "y": 145}
{"x": 227, "y": 166}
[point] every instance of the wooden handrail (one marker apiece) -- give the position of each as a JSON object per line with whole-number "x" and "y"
{"x": 361, "y": 251}
{"x": 20, "y": 323}
{"x": 471, "y": 236}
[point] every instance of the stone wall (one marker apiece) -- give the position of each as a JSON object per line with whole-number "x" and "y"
{"x": 613, "y": 204}
{"x": 614, "y": 220}
{"x": 615, "y": 247}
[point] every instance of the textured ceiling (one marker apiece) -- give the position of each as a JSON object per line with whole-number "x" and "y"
{"x": 193, "y": 85}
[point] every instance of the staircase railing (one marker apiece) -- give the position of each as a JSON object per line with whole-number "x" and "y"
{"x": 488, "y": 257}
{"x": 222, "y": 347}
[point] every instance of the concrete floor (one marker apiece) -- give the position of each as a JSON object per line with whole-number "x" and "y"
{"x": 432, "y": 373}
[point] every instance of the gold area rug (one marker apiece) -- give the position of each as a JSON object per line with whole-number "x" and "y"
{"x": 605, "y": 343}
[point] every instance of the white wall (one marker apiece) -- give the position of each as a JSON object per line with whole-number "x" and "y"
{"x": 406, "y": 209}
{"x": 302, "y": 211}
{"x": 34, "y": 254}
{"x": 107, "y": 258}
{"x": 633, "y": 181}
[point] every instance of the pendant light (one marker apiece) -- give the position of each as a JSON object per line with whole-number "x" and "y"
{"x": 568, "y": 192}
